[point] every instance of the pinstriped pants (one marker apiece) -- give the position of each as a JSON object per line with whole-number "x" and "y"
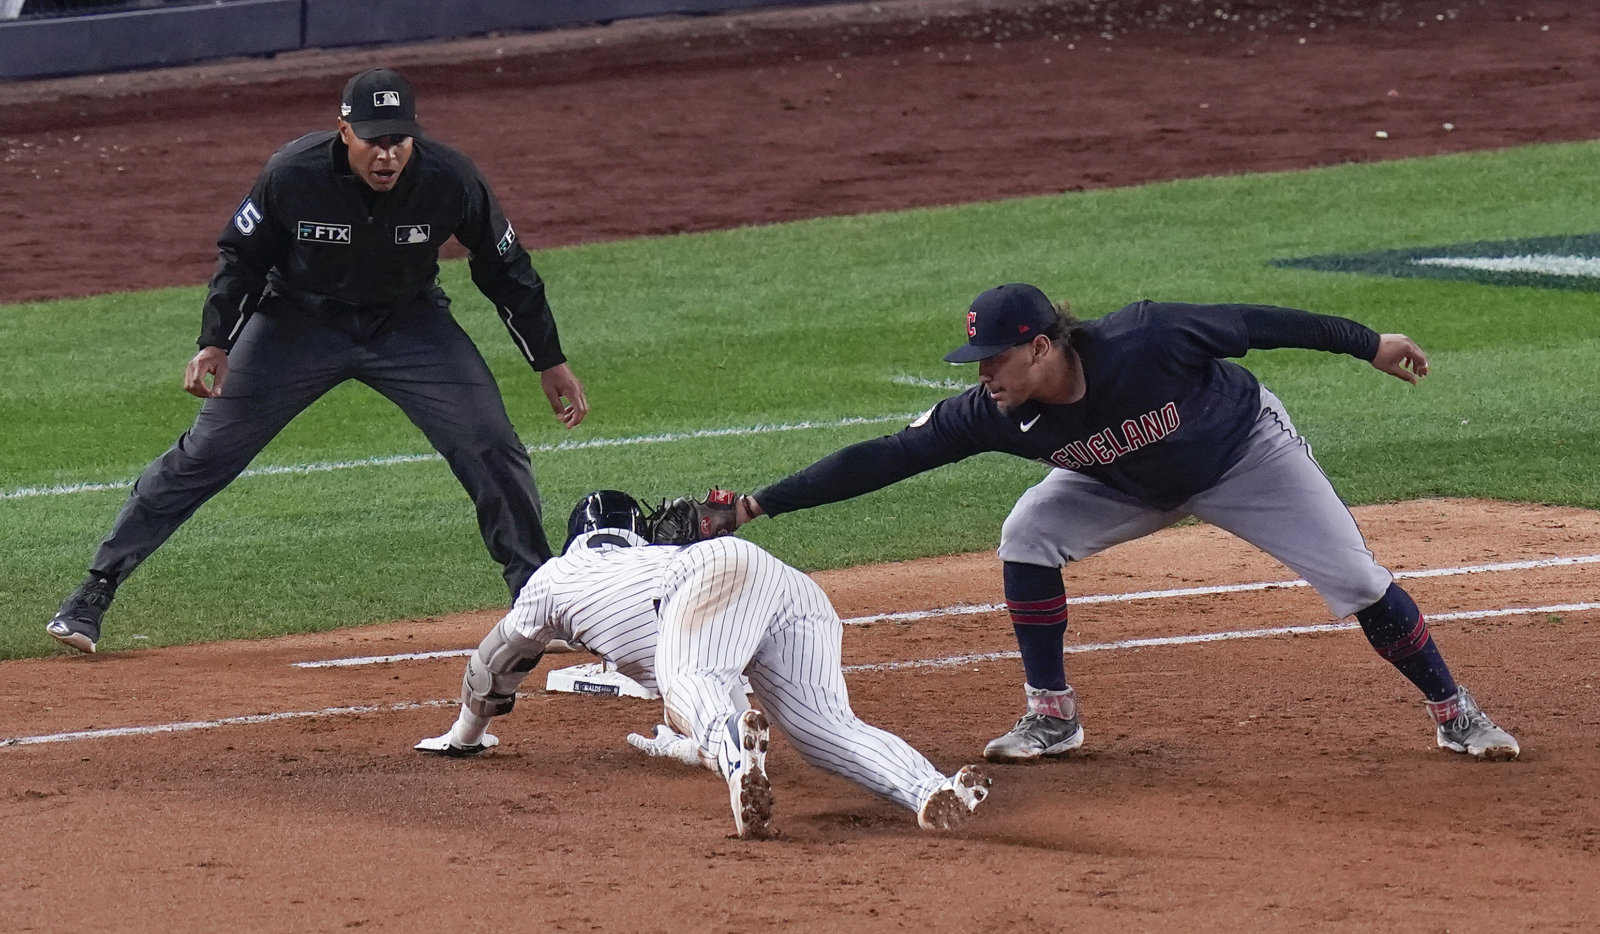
{"x": 730, "y": 608}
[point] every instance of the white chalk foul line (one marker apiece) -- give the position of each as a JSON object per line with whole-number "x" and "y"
{"x": 383, "y": 659}
{"x": 968, "y": 610}
{"x": 954, "y": 661}
{"x": 959, "y": 660}
{"x": 29, "y": 492}
{"x": 910, "y": 615}
{"x": 189, "y": 725}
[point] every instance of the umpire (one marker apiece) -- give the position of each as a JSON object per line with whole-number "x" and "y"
{"x": 326, "y": 273}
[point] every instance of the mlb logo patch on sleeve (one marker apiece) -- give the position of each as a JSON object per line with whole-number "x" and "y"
{"x": 412, "y": 233}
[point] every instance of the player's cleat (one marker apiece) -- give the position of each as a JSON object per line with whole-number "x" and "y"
{"x": 77, "y": 623}
{"x": 1465, "y": 728}
{"x": 749, "y": 790}
{"x": 446, "y": 746}
{"x": 1035, "y": 735}
{"x": 955, "y": 800}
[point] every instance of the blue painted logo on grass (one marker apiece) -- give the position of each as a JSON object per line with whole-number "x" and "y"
{"x": 1565, "y": 262}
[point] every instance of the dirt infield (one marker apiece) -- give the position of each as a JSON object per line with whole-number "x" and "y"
{"x": 1246, "y": 783}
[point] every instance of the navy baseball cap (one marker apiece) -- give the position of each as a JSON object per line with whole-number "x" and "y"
{"x": 379, "y": 103}
{"x": 1004, "y": 317}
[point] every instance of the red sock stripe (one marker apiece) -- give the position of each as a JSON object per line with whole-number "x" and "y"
{"x": 1038, "y": 612}
{"x": 1410, "y": 645}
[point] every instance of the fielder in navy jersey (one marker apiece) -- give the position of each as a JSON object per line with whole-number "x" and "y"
{"x": 1147, "y": 424}
{"x": 689, "y": 621}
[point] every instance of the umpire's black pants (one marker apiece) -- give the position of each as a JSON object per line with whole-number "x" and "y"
{"x": 281, "y": 363}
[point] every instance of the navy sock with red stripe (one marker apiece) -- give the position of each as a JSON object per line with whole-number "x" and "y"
{"x": 1396, "y": 628}
{"x": 1037, "y": 600}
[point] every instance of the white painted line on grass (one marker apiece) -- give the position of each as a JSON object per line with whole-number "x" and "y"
{"x": 912, "y": 615}
{"x": 29, "y": 492}
{"x": 189, "y": 725}
{"x": 1548, "y": 264}
{"x": 922, "y": 382}
{"x": 955, "y": 661}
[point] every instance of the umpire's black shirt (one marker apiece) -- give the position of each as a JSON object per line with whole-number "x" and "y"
{"x": 314, "y": 239}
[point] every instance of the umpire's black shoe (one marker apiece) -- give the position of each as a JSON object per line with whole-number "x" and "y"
{"x": 77, "y": 623}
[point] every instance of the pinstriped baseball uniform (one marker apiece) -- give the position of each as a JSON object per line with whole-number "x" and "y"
{"x": 727, "y": 608}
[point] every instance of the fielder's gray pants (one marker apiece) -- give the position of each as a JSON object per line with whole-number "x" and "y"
{"x": 1276, "y": 498}
{"x": 424, "y": 364}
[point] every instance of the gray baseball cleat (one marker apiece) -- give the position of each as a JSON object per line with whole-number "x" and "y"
{"x": 1469, "y": 730}
{"x": 77, "y": 623}
{"x": 955, "y": 800}
{"x": 749, "y": 789}
{"x": 1035, "y": 735}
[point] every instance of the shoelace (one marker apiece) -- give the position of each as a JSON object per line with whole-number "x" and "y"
{"x": 1471, "y": 721}
{"x": 97, "y": 594}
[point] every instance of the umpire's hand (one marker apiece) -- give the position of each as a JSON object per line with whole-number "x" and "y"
{"x": 560, "y": 383}
{"x": 210, "y": 361}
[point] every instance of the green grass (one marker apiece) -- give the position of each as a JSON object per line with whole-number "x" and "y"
{"x": 804, "y": 322}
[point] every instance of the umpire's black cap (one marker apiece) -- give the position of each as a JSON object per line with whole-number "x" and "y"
{"x": 1004, "y": 317}
{"x": 380, "y": 103}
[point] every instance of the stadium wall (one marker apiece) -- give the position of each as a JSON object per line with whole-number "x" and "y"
{"x": 172, "y": 34}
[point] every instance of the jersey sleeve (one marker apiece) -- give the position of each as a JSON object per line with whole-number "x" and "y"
{"x": 1271, "y": 327}
{"x": 252, "y": 242}
{"x": 1234, "y": 330}
{"x": 505, "y": 275}
{"x": 942, "y": 435}
{"x": 536, "y": 610}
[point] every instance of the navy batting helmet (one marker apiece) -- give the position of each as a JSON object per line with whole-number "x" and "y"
{"x": 607, "y": 509}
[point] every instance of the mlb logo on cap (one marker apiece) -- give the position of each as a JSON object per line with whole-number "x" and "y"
{"x": 1004, "y": 317}
{"x": 380, "y": 103}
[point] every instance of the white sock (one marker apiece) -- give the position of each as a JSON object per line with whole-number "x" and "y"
{"x": 469, "y": 728}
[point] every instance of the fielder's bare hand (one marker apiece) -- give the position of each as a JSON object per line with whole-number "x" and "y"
{"x": 1400, "y": 357}
{"x": 746, "y": 508}
{"x": 210, "y": 361}
{"x": 565, "y": 393}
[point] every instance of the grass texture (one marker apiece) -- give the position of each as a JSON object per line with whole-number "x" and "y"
{"x": 736, "y": 357}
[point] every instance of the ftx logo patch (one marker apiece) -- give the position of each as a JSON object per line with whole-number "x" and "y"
{"x": 323, "y": 233}
{"x": 1570, "y": 261}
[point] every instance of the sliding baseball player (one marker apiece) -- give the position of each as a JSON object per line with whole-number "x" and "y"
{"x": 689, "y": 621}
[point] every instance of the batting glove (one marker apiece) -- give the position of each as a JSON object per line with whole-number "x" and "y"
{"x": 668, "y": 744}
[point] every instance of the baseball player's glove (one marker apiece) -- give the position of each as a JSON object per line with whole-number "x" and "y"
{"x": 687, "y": 520}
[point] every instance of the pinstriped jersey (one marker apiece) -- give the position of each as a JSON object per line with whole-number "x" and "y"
{"x": 602, "y": 596}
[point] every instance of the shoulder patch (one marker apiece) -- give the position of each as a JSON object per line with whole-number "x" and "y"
{"x": 922, "y": 419}
{"x": 247, "y": 218}
{"x": 504, "y": 246}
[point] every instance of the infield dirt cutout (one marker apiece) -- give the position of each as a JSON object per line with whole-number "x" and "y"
{"x": 1248, "y": 784}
